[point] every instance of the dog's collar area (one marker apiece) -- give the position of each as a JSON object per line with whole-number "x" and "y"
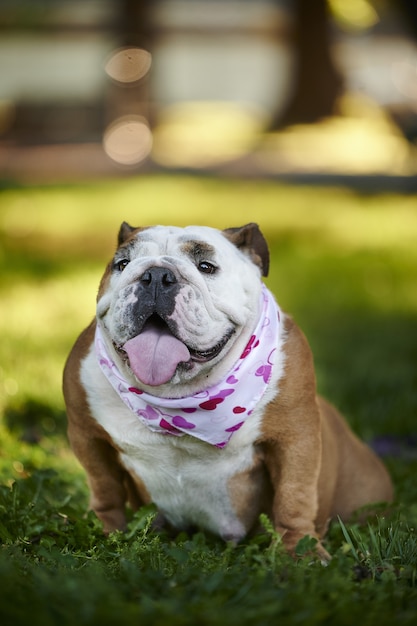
{"x": 215, "y": 414}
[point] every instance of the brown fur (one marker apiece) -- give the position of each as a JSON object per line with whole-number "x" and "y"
{"x": 318, "y": 467}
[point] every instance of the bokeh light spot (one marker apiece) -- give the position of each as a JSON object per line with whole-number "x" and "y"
{"x": 355, "y": 14}
{"x": 202, "y": 134}
{"x": 128, "y": 65}
{"x": 128, "y": 140}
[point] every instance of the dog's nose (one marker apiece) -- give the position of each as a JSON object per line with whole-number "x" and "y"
{"x": 157, "y": 279}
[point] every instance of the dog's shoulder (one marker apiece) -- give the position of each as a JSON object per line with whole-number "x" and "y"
{"x": 299, "y": 365}
{"x": 79, "y": 351}
{"x": 74, "y": 392}
{"x": 295, "y": 400}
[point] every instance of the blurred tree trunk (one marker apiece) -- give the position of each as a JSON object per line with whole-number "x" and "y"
{"x": 409, "y": 9}
{"x": 317, "y": 82}
{"x": 136, "y": 23}
{"x": 135, "y": 29}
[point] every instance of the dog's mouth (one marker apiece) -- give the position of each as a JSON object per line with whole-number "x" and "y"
{"x": 156, "y": 352}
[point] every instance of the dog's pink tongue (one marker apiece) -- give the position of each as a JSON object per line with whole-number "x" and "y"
{"x": 155, "y": 354}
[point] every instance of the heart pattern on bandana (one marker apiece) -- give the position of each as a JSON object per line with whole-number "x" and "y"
{"x": 212, "y": 403}
{"x": 212, "y": 415}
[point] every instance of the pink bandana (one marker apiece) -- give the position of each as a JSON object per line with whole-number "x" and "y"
{"x": 212, "y": 415}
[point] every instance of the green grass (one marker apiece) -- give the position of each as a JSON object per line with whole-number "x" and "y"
{"x": 345, "y": 266}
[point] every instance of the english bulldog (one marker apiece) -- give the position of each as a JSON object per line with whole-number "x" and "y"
{"x": 193, "y": 390}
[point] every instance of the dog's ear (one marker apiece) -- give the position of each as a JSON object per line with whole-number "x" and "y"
{"x": 124, "y": 233}
{"x": 251, "y": 241}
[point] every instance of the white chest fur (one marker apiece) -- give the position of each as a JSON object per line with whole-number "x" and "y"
{"x": 187, "y": 479}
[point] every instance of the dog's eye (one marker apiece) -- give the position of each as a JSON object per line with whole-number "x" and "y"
{"x": 121, "y": 264}
{"x": 206, "y": 268}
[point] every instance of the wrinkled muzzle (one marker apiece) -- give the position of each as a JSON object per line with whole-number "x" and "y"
{"x": 154, "y": 351}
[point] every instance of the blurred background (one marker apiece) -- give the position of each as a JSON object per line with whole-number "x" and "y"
{"x": 326, "y": 88}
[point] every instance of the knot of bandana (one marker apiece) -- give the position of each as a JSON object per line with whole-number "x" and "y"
{"x": 212, "y": 415}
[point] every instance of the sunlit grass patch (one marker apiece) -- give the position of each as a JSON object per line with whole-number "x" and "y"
{"x": 84, "y": 218}
{"x": 361, "y": 139}
{"x": 200, "y": 134}
{"x": 38, "y": 322}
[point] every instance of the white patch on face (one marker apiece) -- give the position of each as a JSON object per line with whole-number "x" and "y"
{"x": 187, "y": 480}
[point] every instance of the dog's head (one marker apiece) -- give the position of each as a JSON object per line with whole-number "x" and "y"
{"x": 177, "y": 305}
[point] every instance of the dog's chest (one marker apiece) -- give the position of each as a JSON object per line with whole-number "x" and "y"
{"x": 189, "y": 481}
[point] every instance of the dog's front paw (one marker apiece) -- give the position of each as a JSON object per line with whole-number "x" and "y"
{"x": 322, "y": 554}
{"x": 112, "y": 519}
{"x": 299, "y": 545}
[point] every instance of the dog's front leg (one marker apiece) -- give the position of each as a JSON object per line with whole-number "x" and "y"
{"x": 106, "y": 479}
{"x": 294, "y": 468}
